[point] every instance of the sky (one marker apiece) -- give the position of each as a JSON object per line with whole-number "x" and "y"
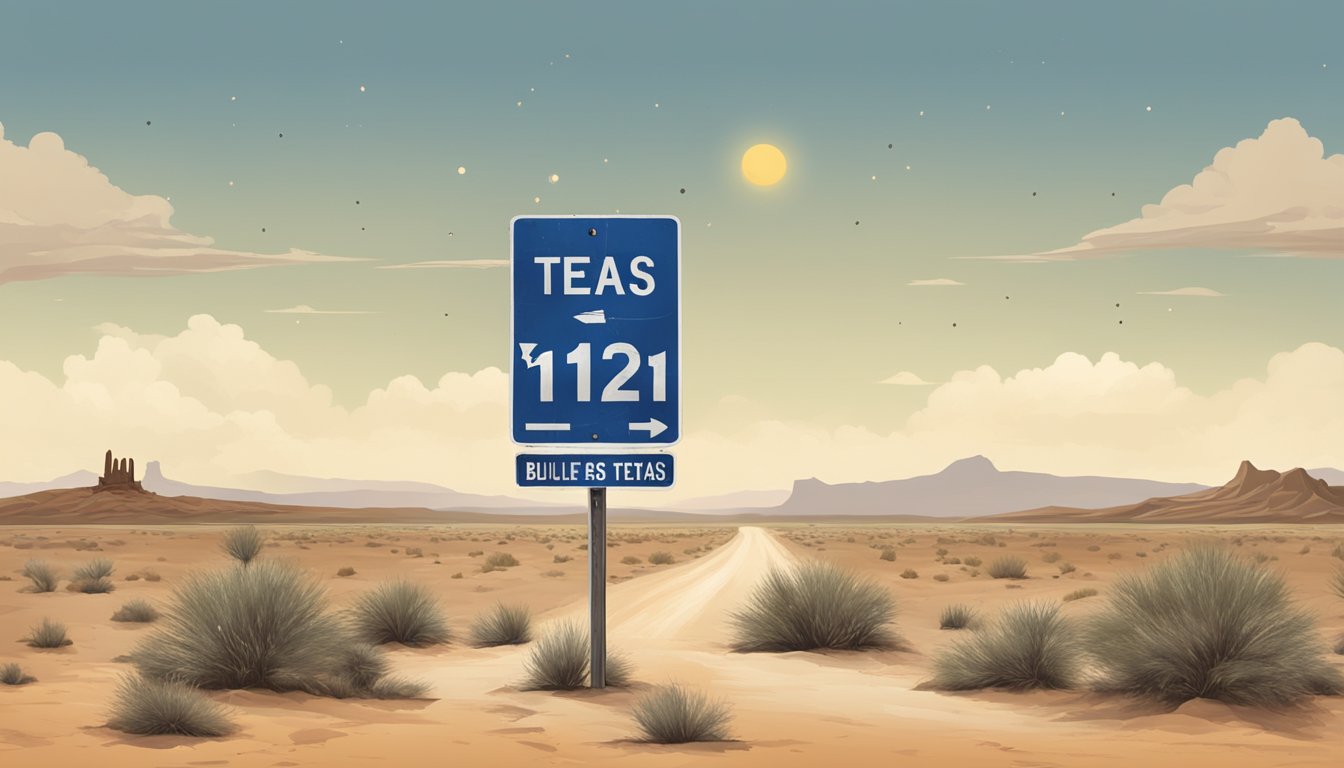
{"x": 215, "y": 219}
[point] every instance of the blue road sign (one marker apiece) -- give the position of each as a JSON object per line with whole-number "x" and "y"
{"x": 589, "y": 470}
{"x": 596, "y": 354}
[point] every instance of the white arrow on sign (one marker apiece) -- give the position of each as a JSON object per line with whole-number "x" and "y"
{"x": 595, "y": 317}
{"x": 653, "y": 426}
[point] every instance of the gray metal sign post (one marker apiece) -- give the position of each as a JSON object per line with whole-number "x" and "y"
{"x": 597, "y": 586}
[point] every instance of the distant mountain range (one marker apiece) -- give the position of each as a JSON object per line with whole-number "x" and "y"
{"x": 970, "y": 488}
{"x": 341, "y": 494}
{"x": 1252, "y": 496}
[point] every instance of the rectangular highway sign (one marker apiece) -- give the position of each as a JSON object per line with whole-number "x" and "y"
{"x": 596, "y": 346}
{"x": 590, "y": 470}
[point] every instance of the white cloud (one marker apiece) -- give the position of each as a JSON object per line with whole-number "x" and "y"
{"x": 61, "y": 216}
{"x": 906, "y": 379}
{"x": 935, "y": 282}
{"x": 304, "y": 309}
{"x": 1191, "y": 291}
{"x": 450, "y": 264}
{"x": 210, "y": 403}
{"x": 1278, "y": 193}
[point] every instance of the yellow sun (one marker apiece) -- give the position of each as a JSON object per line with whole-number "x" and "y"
{"x": 764, "y": 165}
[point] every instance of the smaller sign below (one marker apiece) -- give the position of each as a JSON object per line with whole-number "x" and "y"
{"x": 586, "y": 470}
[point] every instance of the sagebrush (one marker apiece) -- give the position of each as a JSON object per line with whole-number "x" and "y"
{"x": 814, "y": 606}
{"x": 1210, "y": 624}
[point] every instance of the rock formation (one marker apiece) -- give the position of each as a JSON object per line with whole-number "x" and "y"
{"x": 118, "y": 474}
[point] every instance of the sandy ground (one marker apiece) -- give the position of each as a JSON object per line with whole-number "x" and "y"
{"x": 795, "y": 709}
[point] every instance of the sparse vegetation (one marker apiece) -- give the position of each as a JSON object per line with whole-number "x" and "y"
{"x": 1008, "y": 567}
{"x": 1066, "y": 568}
{"x": 559, "y": 662}
{"x": 1209, "y": 624}
{"x": 671, "y": 714}
{"x": 48, "y": 634}
{"x": 972, "y": 561}
{"x": 631, "y": 560}
{"x": 345, "y": 571}
{"x": 957, "y": 616}
{"x": 12, "y": 674}
{"x": 43, "y": 576}
{"x": 1079, "y": 594}
{"x": 941, "y": 577}
{"x": 503, "y": 625}
{"x": 498, "y": 560}
{"x": 153, "y": 707}
{"x": 909, "y": 573}
{"x": 243, "y": 543}
{"x": 561, "y": 559}
{"x": 1029, "y": 646}
{"x": 136, "y": 611}
{"x": 91, "y": 578}
{"x": 264, "y": 626}
{"x": 662, "y": 558}
{"x": 816, "y": 605}
{"x": 400, "y": 612}
{"x": 888, "y": 554}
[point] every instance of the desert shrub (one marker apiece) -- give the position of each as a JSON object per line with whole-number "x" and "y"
{"x": 137, "y": 611}
{"x": 43, "y": 576}
{"x": 12, "y": 674}
{"x": 553, "y": 574}
{"x": 344, "y": 571}
{"x": 1067, "y": 568}
{"x": 561, "y": 559}
{"x": 400, "y": 612}
{"x": 631, "y": 560}
{"x": 1338, "y": 582}
{"x": 500, "y": 560}
{"x": 1093, "y": 548}
{"x": 661, "y": 558}
{"x": 264, "y": 626}
{"x": 91, "y": 578}
{"x": 1338, "y": 552}
{"x": 1008, "y": 567}
{"x": 1051, "y": 557}
{"x": 48, "y": 634}
{"x": 415, "y": 552}
{"x": 952, "y": 560}
{"x": 1079, "y": 594}
{"x": 503, "y": 625}
{"x": 98, "y": 568}
{"x": 1028, "y": 646}
{"x": 816, "y": 605}
{"x": 457, "y": 575}
{"x": 152, "y": 707}
{"x": 151, "y": 576}
{"x": 560, "y": 659}
{"x": 99, "y": 586}
{"x": 671, "y": 714}
{"x": 957, "y": 616}
{"x": 909, "y": 573}
{"x": 1209, "y": 624}
{"x": 972, "y": 561}
{"x": 941, "y": 577}
{"x": 888, "y": 554}
{"x": 243, "y": 543}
